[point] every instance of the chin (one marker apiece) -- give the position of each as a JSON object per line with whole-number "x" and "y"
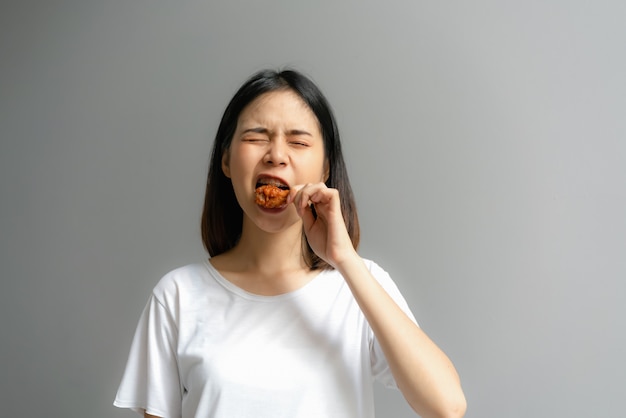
{"x": 276, "y": 221}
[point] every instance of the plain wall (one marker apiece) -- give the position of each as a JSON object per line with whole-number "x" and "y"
{"x": 485, "y": 142}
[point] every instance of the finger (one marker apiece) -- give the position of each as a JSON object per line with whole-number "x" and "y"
{"x": 325, "y": 200}
{"x": 293, "y": 193}
{"x": 296, "y": 197}
{"x": 321, "y": 196}
{"x": 304, "y": 194}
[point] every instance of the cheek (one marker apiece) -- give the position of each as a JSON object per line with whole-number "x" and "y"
{"x": 318, "y": 168}
{"x": 239, "y": 163}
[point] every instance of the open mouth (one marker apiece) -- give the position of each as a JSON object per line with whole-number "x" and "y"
{"x": 271, "y": 181}
{"x": 271, "y": 193}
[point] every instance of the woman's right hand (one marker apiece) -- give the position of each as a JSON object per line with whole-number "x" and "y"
{"x": 324, "y": 226}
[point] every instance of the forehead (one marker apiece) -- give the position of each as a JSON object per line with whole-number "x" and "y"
{"x": 278, "y": 107}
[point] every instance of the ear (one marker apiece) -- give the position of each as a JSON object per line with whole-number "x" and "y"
{"x": 326, "y": 170}
{"x": 226, "y": 163}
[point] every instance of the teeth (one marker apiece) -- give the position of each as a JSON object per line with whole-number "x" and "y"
{"x": 271, "y": 182}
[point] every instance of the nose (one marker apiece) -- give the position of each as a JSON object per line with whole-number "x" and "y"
{"x": 277, "y": 153}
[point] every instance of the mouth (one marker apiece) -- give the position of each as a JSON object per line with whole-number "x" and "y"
{"x": 271, "y": 181}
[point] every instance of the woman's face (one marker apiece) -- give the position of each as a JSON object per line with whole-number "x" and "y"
{"x": 278, "y": 140}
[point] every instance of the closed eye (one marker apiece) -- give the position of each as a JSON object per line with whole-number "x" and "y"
{"x": 257, "y": 134}
{"x": 299, "y": 143}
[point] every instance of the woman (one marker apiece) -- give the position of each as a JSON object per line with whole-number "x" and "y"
{"x": 285, "y": 319}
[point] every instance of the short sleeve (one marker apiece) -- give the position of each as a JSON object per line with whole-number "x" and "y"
{"x": 380, "y": 368}
{"x": 151, "y": 380}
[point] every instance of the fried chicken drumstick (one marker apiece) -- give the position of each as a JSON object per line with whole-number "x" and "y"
{"x": 270, "y": 196}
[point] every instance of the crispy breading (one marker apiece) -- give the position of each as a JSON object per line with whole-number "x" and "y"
{"x": 271, "y": 197}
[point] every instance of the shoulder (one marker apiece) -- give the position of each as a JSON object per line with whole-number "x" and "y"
{"x": 370, "y": 264}
{"x": 387, "y": 283}
{"x": 377, "y": 271}
{"x": 180, "y": 282}
{"x": 382, "y": 277}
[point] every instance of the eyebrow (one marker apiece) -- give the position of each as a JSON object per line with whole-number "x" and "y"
{"x": 261, "y": 130}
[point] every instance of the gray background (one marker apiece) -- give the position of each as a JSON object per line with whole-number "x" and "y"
{"x": 485, "y": 141}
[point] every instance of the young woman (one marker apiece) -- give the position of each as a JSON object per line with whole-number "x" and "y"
{"x": 285, "y": 319}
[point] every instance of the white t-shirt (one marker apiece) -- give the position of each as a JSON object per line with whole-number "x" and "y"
{"x": 206, "y": 348}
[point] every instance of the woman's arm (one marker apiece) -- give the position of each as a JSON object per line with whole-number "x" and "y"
{"x": 147, "y": 415}
{"x": 423, "y": 373}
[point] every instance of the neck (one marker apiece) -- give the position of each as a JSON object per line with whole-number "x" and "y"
{"x": 270, "y": 252}
{"x": 266, "y": 263}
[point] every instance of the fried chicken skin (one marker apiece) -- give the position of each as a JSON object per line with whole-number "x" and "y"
{"x": 270, "y": 196}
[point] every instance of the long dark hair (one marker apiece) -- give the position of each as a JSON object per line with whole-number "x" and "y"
{"x": 222, "y": 216}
